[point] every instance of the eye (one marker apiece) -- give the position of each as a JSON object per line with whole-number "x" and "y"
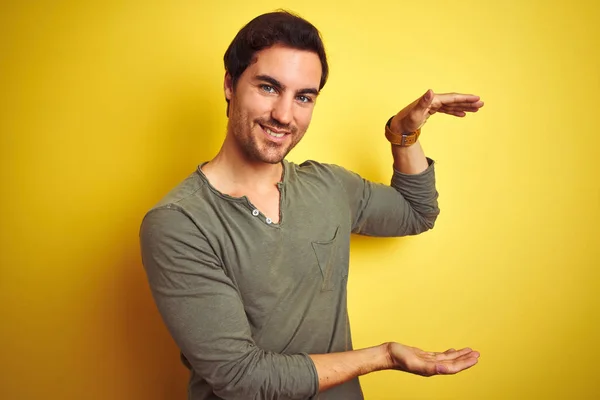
{"x": 268, "y": 88}
{"x": 304, "y": 99}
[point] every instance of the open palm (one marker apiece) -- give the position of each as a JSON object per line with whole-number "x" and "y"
{"x": 413, "y": 116}
{"x": 424, "y": 363}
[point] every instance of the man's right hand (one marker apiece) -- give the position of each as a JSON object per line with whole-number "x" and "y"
{"x": 425, "y": 363}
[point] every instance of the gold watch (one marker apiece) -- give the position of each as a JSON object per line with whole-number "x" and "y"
{"x": 402, "y": 140}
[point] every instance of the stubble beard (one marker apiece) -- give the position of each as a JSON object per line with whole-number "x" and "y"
{"x": 251, "y": 146}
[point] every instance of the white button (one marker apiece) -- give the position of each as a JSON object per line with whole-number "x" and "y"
{"x": 255, "y": 212}
{"x": 269, "y": 220}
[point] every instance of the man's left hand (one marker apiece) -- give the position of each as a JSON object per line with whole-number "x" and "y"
{"x": 413, "y": 116}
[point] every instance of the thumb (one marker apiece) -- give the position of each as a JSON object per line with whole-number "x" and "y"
{"x": 419, "y": 112}
{"x": 426, "y": 100}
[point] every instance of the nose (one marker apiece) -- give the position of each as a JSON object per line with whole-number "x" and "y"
{"x": 282, "y": 110}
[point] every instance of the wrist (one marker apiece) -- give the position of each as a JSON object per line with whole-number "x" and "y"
{"x": 394, "y": 125}
{"x": 387, "y": 354}
{"x": 397, "y": 135}
{"x": 377, "y": 358}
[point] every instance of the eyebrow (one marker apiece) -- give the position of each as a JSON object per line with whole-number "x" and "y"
{"x": 275, "y": 83}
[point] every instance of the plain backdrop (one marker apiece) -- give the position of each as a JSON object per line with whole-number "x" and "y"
{"x": 105, "y": 106}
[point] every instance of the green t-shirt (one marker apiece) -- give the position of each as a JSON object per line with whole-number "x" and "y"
{"x": 246, "y": 300}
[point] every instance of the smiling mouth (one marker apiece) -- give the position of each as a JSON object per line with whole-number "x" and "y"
{"x": 273, "y": 133}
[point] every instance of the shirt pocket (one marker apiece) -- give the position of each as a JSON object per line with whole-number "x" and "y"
{"x": 327, "y": 258}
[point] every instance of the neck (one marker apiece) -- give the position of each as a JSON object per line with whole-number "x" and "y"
{"x": 232, "y": 172}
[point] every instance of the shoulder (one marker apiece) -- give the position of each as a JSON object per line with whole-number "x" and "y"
{"x": 180, "y": 203}
{"x": 330, "y": 175}
{"x": 184, "y": 192}
{"x": 315, "y": 170}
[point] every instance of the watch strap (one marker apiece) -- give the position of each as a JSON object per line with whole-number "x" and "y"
{"x": 404, "y": 139}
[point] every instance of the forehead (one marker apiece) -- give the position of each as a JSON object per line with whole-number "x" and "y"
{"x": 292, "y": 67}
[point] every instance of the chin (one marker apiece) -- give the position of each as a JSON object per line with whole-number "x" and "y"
{"x": 272, "y": 159}
{"x": 267, "y": 153}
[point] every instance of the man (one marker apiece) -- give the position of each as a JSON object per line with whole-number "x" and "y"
{"x": 247, "y": 258}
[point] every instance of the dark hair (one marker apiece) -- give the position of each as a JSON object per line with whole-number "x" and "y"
{"x": 266, "y": 30}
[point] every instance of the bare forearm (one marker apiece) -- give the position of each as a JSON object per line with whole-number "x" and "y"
{"x": 409, "y": 160}
{"x": 336, "y": 368}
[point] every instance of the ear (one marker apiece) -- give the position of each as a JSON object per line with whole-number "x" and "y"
{"x": 228, "y": 86}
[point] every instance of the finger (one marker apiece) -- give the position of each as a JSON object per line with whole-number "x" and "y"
{"x": 455, "y": 113}
{"x": 469, "y": 109}
{"x": 462, "y": 106}
{"x": 458, "y": 109}
{"x": 449, "y": 98}
{"x": 477, "y": 105}
{"x": 453, "y": 367}
{"x": 472, "y": 354}
{"x": 430, "y": 355}
{"x": 454, "y": 354}
{"x": 450, "y": 350}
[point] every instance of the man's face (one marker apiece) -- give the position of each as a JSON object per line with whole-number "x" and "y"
{"x": 273, "y": 101}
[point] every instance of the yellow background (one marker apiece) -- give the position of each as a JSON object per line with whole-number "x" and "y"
{"x": 105, "y": 106}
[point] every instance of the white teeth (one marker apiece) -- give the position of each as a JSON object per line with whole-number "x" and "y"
{"x": 277, "y": 135}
